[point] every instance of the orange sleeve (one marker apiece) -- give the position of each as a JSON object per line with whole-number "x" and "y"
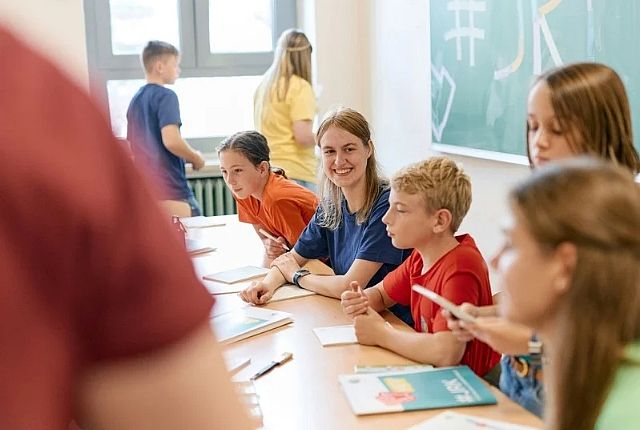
{"x": 290, "y": 220}
{"x": 245, "y": 214}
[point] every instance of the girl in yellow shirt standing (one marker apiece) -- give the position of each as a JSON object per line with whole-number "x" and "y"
{"x": 284, "y": 108}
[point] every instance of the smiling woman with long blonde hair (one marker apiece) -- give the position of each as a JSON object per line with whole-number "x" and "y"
{"x": 347, "y": 228}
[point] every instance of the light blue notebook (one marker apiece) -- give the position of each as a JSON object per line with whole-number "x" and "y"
{"x": 248, "y": 321}
{"x": 408, "y": 391}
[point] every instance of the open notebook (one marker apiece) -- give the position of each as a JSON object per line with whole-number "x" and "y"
{"x": 285, "y": 292}
{"x": 196, "y": 247}
{"x": 246, "y": 322}
{"x": 238, "y": 274}
{"x": 200, "y": 222}
{"x": 290, "y": 291}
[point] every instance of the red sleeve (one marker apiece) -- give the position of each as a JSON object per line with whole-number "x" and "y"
{"x": 397, "y": 283}
{"x": 89, "y": 268}
{"x": 459, "y": 288}
{"x": 100, "y": 253}
{"x": 144, "y": 292}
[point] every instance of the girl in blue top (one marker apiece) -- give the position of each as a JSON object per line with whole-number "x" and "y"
{"x": 347, "y": 227}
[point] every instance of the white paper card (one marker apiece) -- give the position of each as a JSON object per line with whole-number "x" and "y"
{"x": 336, "y": 335}
{"x": 234, "y": 365}
{"x": 200, "y": 222}
{"x": 454, "y": 421}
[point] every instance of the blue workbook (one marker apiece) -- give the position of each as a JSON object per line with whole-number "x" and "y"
{"x": 246, "y": 322}
{"x": 408, "y": 391}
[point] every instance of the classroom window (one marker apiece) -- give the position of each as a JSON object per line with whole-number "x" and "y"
{"x": 225, "y": 46}
{"x": 134, "y": 22}
{"x": 240, "y": 26}
{"x": 214, "y": 106}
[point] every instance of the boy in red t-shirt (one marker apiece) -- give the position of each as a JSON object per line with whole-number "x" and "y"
{"x": 427, "y": 203}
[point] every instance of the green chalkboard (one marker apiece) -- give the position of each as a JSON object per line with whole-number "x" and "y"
{"x": 485, "y": 54}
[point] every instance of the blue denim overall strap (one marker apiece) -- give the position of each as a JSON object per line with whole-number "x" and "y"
{"x": 527, "y": 390}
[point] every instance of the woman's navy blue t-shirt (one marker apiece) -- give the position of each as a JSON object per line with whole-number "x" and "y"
{"x": 351, "y": 241}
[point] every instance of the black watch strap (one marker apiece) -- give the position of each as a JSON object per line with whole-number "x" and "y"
{"x": 300, "y": 274}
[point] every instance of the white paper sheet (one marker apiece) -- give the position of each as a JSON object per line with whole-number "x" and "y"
{"x": 336, "y": 335}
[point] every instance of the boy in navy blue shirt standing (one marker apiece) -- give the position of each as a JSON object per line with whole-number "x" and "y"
{"x": 154, "y": 128}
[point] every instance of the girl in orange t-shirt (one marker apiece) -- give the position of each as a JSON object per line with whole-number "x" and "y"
{"x": 275, "y": 205}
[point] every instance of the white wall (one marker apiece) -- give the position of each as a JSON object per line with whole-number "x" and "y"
{"x": 54, "y": 27}
{"x": 341, "y": 54}
{"x": 400, "y": 88}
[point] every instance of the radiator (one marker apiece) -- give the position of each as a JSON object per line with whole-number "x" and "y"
{"x": 213, "y": 195}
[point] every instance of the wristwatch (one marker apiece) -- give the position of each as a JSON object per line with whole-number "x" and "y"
{"x": 299, "y": 274}
{"x": 535, "y": 346}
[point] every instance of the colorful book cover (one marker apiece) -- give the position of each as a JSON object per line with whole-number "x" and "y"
{"x": 408, "y": 391}
{"x": 248, "y": 321}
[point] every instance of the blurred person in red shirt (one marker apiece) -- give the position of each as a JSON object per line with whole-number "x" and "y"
{"x": 102, "y": 319}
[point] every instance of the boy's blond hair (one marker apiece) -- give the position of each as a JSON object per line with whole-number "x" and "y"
{"x": 442, "y": 185}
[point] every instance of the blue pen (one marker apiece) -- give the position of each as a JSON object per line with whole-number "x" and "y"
{"x": 282, "y": 358}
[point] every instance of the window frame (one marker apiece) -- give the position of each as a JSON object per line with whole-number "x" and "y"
{"x": 196, "y": 59}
